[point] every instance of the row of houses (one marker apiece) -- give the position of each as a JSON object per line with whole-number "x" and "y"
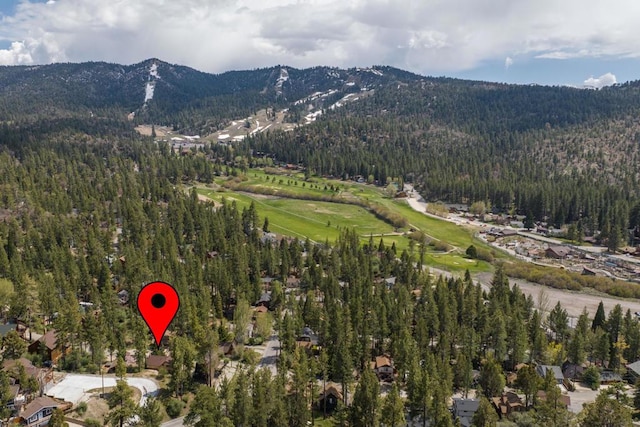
{"x": 28, "y": 406}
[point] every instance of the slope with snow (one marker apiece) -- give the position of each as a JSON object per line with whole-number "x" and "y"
{"x": 284, "y": 76}
{"x": 151, "y": 83}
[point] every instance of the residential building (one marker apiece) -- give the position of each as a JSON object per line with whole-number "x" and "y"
{"x": 557, "y": 372}
{"x": 38, "y": 412}
{"x": 508, "y": 403}
{"x": 464, "y": 410}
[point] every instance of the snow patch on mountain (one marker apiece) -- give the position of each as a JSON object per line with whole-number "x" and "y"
{"x": 148, "y": 93}
{"x": 151, "y": 83}
{"x": 370, "y": 70}
{"x": 284, "y": 76}
{"x": 153, "y": 71}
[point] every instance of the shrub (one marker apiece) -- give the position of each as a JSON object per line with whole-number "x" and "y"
{"x": 250, "y": 357}
{"x": 81, "y": 408}
{"x": 472, "y": 252}
{"x": 258, "y": 340}
{"x": 591, "y": 377}
{"x": 485, "y": 255}
{"x": 174, "y": 408}
{"x": 441, "y": 246}
{"x": 162, "y": 372}
{"x": 90, "y": 422}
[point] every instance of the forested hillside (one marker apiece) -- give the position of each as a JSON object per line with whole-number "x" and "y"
{"x": 84, "y": 219}
{"x": 556, "y": 153}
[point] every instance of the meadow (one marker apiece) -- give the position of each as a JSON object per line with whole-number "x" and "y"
{"x": 319, "y": 208}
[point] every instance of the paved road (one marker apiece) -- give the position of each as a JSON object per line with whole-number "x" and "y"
{"x": 74, "y": 387}
{"x": 270, "y": 355}
{"x": 571, "y": 301}
{"x": 174, "y": 423}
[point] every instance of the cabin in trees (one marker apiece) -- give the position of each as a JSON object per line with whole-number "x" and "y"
{"x": 308, "y": 340}
{"x": 123, "y": 297}
{"x": 329, "y": 399}
{"x": 572, "y": 370}
{"x": 465, "y": 409}
{"x": 633, "y": 371}
{"x": 508, "y": 403}
{"x": 265, "y": 300}
{"x": 43, "y": 376}
{"x": 38, "y": 412}
{"x": 258, "y": 311}
{"x": 609, "y": 377}
{"x": 49, "y": 346}
{"x": 556, "y": 370}
{"x": 157, "y": 361}
{"x": 384, "y": 369}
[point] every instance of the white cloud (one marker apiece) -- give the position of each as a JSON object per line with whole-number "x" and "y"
{"x": 508, "y": 62}
{"x": 607, "y": 79}
{"x": 216, "y": 35}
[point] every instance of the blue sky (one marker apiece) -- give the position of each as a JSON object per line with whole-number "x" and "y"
{"x": 7, "y": 6}
{"x": 572, "y": 42}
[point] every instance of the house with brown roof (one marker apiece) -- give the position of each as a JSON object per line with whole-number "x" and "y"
{"x": 38, "y": 412}
{"x": 329, "y": 399}
{"x": 16, "y": 398}
{"x": 508, "y": 403}
{"x": 383, "y": 367}
{"x": 44, "y": 376}
{"x": 49, "y": 345}
{"x": 157, "y": 361}
{"x": 261, "y": 309}
{"x": 557, "y": 252}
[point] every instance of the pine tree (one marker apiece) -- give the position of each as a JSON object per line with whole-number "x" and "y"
{"x": 559, "y": 322}
{"x": 57, "y": 419}
{"x": 364, "y": 410}
{"x": 528, "y": 381}
{"x": 5, "y": 395}
{"x": 605, "y": 411}
{"x": 205, "y": 410}
{"x": 241, "y": 411}
{"x": 14, "y": 346}
{"x": 486, "y": 415}
{"x": 393, "y": 408}
{"x": 600, "y": 317}
{"x": 492, "y": 379}
{"x": 151, "y": 413}
{"x": 121, "y": 404}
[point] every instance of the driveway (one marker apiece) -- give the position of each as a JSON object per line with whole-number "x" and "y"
{"x": 74, "y": 387}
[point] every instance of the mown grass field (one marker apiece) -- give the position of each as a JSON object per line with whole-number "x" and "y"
{"x": 323, "y": 220}
{"x": 303, "y": 218}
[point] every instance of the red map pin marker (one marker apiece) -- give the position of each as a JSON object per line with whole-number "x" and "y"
{"x": 158, "y": 303}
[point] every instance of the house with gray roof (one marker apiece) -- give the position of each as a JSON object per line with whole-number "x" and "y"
{"x": 464, "y": 410}
{"x": 556, "y": 370}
